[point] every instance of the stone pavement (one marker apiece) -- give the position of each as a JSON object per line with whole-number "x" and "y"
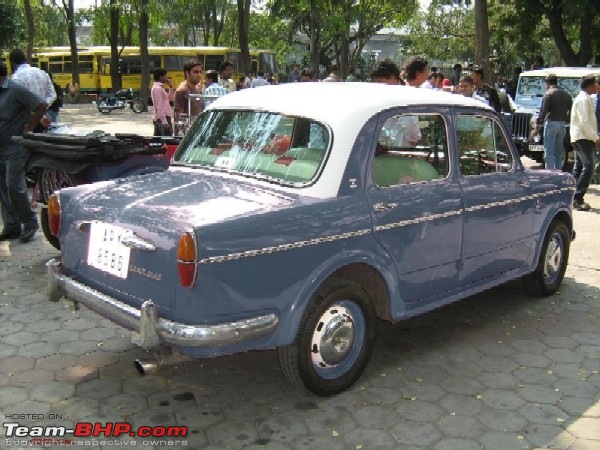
{"x": 498, "y": 371}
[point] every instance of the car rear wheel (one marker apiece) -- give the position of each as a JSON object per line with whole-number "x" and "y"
{"x": 50, "y": 181}
{"x": 550, "y": 271}
{"x": 334, "y": 342}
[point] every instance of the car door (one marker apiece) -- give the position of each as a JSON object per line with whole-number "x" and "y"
{"x": 416, "y": 205}
{"x": 498, "y": 221}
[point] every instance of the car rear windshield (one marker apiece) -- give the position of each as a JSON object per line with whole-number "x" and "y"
{"x": 286, "y": 149}
{"x": 536, "y": 86}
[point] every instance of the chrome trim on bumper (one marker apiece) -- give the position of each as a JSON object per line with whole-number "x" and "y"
{"x": 151, "y": 330}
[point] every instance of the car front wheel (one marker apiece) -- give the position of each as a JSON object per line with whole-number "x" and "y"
{"x": 550, "y": 271}
{"x": 334, "y": 342}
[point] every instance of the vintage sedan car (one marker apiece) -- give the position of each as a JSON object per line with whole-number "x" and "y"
{"x": 294, "y": 216}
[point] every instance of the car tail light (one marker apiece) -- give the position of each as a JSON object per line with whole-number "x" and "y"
{"x": 186, "y": 259}
{"x": 54, "y": 215}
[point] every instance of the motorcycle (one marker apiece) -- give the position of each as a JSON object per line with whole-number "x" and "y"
{"x": 123, "y": 98}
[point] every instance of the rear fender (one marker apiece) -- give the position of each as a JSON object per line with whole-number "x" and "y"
{"x": 381, "y": 263}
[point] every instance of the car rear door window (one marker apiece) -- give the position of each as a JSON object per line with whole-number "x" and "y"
{"x": 482, "y": 146}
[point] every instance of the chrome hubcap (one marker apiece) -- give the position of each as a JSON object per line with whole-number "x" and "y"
{"x": 333, "y": 337}
{"x": 553, "y": 257}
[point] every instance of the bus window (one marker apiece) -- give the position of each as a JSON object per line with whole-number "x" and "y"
{"x": 56, "y": 64}
{"x": 86, "y": 63}
{"x": 131, "y": 64}
{"x": 173, "y": 62}
{"x": 213, "y": 61}
{"x": 105, "y": 66}
{"x": 233, "y": 58}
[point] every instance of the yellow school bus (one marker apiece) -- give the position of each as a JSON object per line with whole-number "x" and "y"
{"x": 95, "y": 63}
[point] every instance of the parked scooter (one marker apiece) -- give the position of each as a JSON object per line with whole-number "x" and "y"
{"x": 107, "y": 102}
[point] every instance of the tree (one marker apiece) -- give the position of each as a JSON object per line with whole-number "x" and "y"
{"x": 332, "y": 26}
{"x": 570, "y": 23}
{"x": 243, "y": 7}
{"x": 11, "y": 25}
{"x": 482, "y": 38}
{"x": 30, "y": 27}
{"x": 68, "y": 10}
{"x": 115, "y": 73}
{"x": 144, "y": 57}
{"x": 370, "y": 16}
{"x": 445, "y": 32}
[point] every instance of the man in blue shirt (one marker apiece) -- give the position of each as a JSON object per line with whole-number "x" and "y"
{"x": 213, "y": 89}
{"x": 16, "y": 106}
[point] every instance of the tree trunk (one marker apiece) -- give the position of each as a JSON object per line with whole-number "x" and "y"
{"x": 243, "y": 32}
{"x": 30, "y": 28}
{"x": 554, "y": 15}
{"x": 344, "y": 55}
{"x": 315, "y": 49}
{"x": 144, "y": 57}
{"x": 70, "y": 15}
{"x": 482, "y": 39}
{"x": 115, "y": 70}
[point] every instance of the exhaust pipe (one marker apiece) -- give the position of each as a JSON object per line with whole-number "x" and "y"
{"x": 158, "y": 360}
{"x": 147, "y": 366}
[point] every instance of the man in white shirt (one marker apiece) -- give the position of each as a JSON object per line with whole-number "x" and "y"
{"x": 34, "y": 79}
{"x": 584, "y": 137}
{"x": 259, "y": 80}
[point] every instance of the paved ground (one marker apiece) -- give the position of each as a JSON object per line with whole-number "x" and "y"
{"x": 500, "y": 371}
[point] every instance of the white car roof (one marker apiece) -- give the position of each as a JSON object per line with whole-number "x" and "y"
{"x": 345, "y": 107}
{"x": 335, "y": 102}
{"x": 564, "y": 72}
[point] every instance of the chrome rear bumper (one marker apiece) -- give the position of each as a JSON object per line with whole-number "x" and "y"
{"x": 150, "y": 330}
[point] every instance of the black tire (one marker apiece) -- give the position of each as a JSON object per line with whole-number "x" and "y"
{"x": 334, "y": 341}
{"x": 550, "y": 270}
{"x": 49, "y": 181}
{"x": 138, "y": 105}
{"x": 103, "y": 106}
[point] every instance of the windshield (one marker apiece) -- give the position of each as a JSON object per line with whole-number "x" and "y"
{"x": 283, "y": 148}
{"x": 536, "y": 86}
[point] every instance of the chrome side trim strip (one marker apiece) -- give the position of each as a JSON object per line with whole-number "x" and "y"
{"x": 363, "y": 232}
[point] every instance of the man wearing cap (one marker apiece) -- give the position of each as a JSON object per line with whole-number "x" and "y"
{"x": 554, "y": 114}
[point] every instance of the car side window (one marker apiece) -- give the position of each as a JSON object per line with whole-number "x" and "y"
{"x": 411, "y": 148}
{"x": 482, "y": 146}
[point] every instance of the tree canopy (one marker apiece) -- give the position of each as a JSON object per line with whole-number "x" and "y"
{"x": 321, "y": 33}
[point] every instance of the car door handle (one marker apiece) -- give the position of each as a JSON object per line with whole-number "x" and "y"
{"x": 380, "y": 207}
{"x": 524, "y": 183}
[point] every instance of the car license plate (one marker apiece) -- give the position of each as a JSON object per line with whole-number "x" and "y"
{"x": 105, "y": 251}
{"x": 536, "y": 148}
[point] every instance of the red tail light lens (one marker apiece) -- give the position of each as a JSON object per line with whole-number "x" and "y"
{"x": 54, "y": 215}
{"x": 186, "y": 259}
